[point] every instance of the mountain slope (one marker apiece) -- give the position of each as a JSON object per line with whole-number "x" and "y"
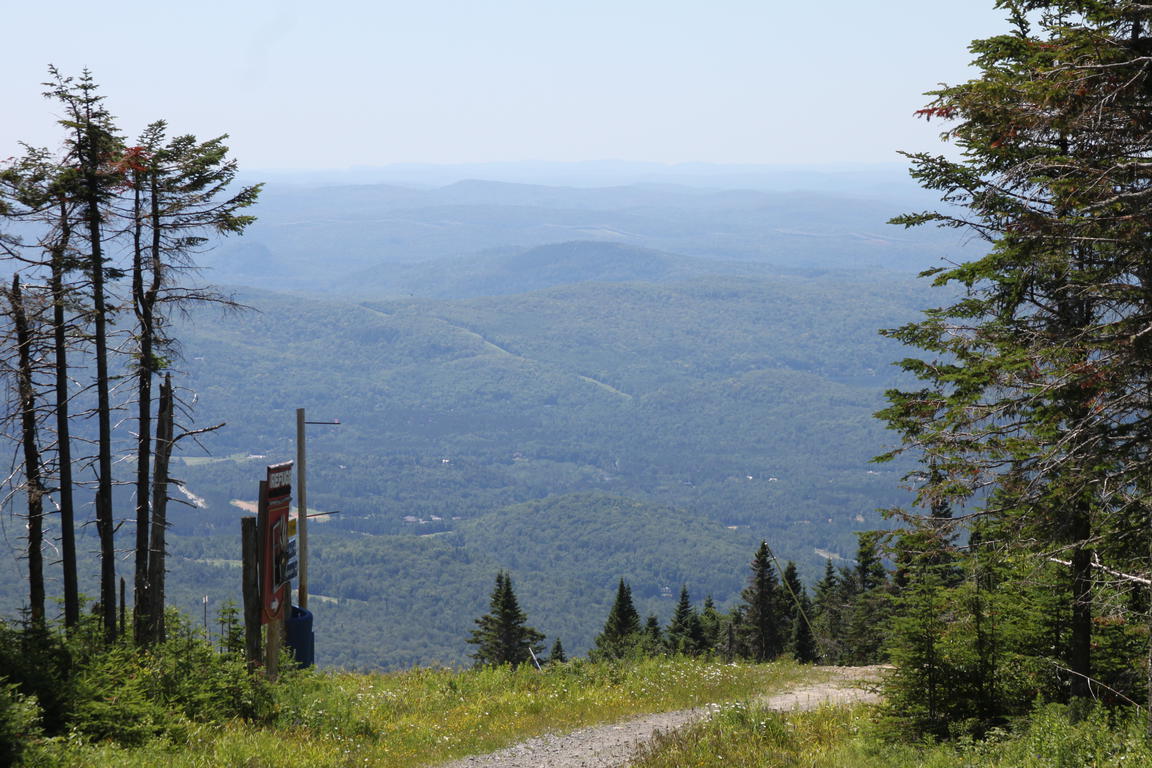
{"x": 399, "y": 600}
{"x": 510, "y": 270}
{"x": 319, "y": 237}
{"x": 745, "y": 402}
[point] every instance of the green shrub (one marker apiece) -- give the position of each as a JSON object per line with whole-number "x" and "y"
{"x": 83, "y": 688}
{"x": 39, "y": 663}
{"x": 19, "y": 723}
{"x": 112, "y": 701}
{"x": 186, "y": 674}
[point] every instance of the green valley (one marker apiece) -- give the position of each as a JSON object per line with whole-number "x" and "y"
{"x": 676, "y": 399}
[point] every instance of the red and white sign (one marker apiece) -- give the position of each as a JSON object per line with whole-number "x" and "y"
{"x": 274, "y": 566}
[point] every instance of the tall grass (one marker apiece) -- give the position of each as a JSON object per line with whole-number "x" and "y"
{"x": 427, "y": 716}
{"x": 752, "y": 737}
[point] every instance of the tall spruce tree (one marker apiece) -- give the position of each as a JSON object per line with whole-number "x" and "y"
{"x": 178, "y": 197}
{"x": 501, "y": 635}
{"x": 803, "y": 640}
{"x": 869, "y": 604}
{"x": 1039, "y": 381}
{"x": 711, "y": 626}
{"x": 92, "y": 148}
{"x": 621, "y": 632}
{"x": 828, "y": 608}
{"x": 35, "y": 189}
{"x": 685, "y": 635}
{"x": 790, "y": 591}
{"x": 762, "y": 615}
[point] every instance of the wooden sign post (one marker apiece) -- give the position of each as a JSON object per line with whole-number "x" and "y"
{"x": 275, "y": 559}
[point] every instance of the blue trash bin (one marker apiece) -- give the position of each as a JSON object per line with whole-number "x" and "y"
{"x": 299, "y": 637}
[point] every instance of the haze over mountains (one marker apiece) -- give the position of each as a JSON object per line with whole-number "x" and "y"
{"x": 576, "y": 384}
{"x": 329, "y": 237}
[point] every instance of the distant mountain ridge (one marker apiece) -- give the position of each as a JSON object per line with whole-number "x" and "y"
{"x": 889, "y": 179}
{"x": 510, "y": 270}
{"x": 322, "y": 238}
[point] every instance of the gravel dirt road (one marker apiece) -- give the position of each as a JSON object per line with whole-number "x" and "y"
{"x": 612, "y": 745}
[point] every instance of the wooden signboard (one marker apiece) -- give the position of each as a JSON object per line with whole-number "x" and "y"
{"x": 276, "y": 555}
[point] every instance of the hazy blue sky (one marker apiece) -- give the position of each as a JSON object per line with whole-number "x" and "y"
{"x": 353, "y": 83}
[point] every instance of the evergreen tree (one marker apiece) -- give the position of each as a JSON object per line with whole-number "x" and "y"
{"x": 734, "y": 634}
{"x": 92, "y": 148}
{"x": 231, "y": 630}
{"x": 34, "y": 188}
{"x": 928, "y": 688}
{"x": 927, "y": 544}
{"x": 917, "y": 649}
{"x": 501, "y": 636}
{"x": 870, "y": 573}
{"x": 622, "y": 628}
{"x": 557, "y": 655}
{"x": 1036, "y": 383}
{"x": 684, "y": 635}
{"x": 828, "y": 610}
{"x": 869, "y": 606}
{"x": 790, "y": 591}
{"x": 975, "y": 651}
{"x": 762, "y": 615}
{"x": 803, "y": 642}
{"x": 711, "y": 626}
{"x": 652, "y": 637}
{"x": 179, "y": 195}
{"x": 96, "y": 208}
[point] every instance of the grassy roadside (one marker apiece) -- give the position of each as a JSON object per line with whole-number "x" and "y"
{"x": 855, "y": 737}
{"x": 427, "y": 716}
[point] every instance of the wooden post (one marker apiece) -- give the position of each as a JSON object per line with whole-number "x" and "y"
{"x": 250, "y": 560}
{"x": 301, "y": 514}
{"x": 272, "y": 633}
{"x": 274, "y": 642}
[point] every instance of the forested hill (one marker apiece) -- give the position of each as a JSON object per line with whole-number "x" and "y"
{"x": 318, "y": 238}
{"x": 517, "y": 269}
{"x": 412, "y": 600}
{"x": 688, "y": 393}
{"x": 741, "y": 402}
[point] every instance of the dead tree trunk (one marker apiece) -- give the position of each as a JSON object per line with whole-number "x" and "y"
{"x": 63, "y": 428}
{"x": 145, "y": 293}
{"x": 165, "y": 440}
{"x": 33, "y": 478}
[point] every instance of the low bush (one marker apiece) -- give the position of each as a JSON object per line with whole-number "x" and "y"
{"x": 19, "y": 723}
{"x": 74, "y": 686}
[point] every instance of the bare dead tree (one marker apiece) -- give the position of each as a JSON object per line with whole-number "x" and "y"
{"x": 29, "y": 432}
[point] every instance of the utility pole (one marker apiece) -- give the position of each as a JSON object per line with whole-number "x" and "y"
{"x": 301, "y": 512}
{"x": 302, "y": 507}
